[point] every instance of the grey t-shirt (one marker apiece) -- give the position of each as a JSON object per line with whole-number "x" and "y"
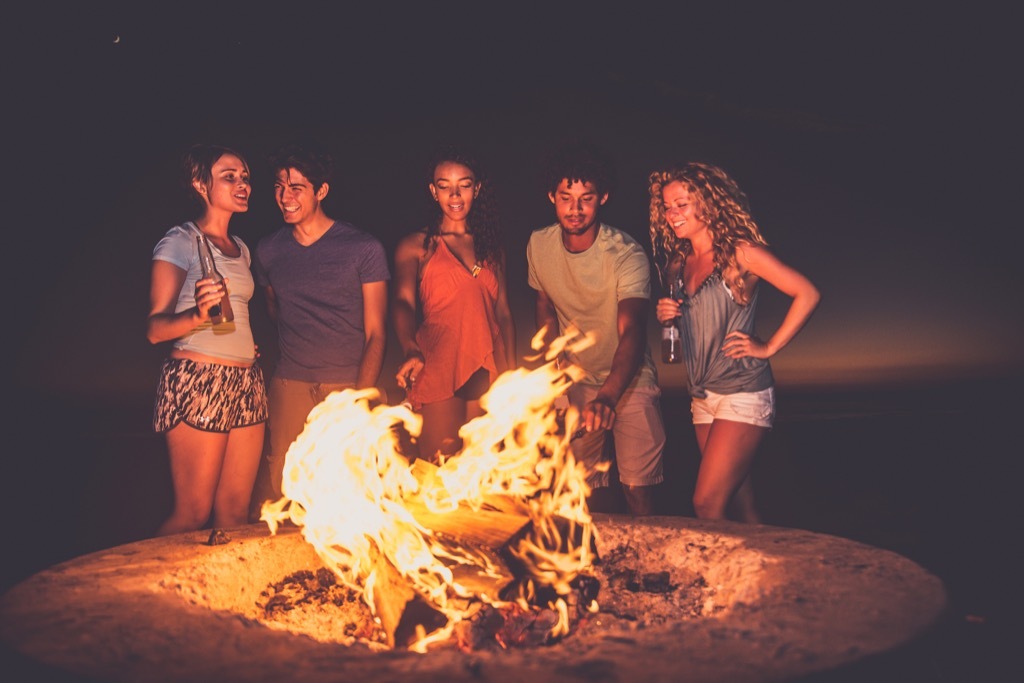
{"x": 707, "y": 317}
{"x": 320, "y": 299}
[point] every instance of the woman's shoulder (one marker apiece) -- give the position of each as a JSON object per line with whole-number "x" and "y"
{"x": 182, "y": 230}
{"x": 413, "y": 242}
{"x": 179, "y": 235}
{"x": 416, "y": 234}
{"x": 747, "y": 251}
{"x": 176, "y": 246}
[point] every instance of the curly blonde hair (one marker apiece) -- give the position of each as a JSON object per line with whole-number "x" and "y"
{"x": 723, "y": 206}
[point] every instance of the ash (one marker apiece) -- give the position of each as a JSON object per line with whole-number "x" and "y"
{"x": 315, "y": 604}
{"x": 634, "y": 597}
{"x": 630, "y": 597}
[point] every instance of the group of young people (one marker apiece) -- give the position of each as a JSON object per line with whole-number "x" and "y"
{"x": 326, "y": 285}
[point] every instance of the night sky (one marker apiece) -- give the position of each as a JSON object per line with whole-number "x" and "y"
{"x": 877, "y": 145}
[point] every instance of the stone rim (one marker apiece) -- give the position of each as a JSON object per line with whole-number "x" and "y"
{"x": 817, "y": 602}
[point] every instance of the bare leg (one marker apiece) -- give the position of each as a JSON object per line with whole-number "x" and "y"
{"x": 727, "y": 454}
{"x": 742, "y": 507}
{"x": 196, "y": 459}
{"x": 237, "y": 476}
{"x": 473, "y": 410}
{"x": 639, "y": 499}
{"x": 441, "y": 423}
{"x": 603, "y": 499}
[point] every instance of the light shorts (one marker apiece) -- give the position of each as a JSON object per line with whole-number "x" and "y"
{"x": 751, "y": 407}
{"x": 637, "y": 443}
{"x": 208, "y": 396}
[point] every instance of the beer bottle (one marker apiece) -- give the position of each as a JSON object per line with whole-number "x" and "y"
{"x": 219, "y": 313}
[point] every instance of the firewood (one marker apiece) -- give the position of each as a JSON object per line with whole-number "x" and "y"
{"x": 486, "y": 528}
{"x": 394, "y": 597}
{"x": 487, "y": 539}
{"x": 490, "y": 528}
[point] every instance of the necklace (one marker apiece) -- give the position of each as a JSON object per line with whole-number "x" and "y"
{"x": 477, "y": 267}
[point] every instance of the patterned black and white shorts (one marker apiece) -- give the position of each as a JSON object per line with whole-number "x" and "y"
{"x": 209, "y": 397}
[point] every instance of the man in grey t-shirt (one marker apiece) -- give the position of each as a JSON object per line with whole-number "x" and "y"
{"x": 325, "y": 283}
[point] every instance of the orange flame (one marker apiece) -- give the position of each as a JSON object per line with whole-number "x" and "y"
{"x": 347, "y": 485}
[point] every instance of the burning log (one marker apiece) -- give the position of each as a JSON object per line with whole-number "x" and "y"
{"x": 492, "y": 556}
{"x": 503, "y": 522}
{"x": 485, "y": 527}
{"x": 399, "y": 608}
{"x": 405, "y": 616}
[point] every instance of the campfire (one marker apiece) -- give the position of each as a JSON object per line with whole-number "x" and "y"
{"x": 494, "y": 541}
{"x": 484, "y": 567}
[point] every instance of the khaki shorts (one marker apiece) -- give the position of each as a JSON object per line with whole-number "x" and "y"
{"x": 637, "y": 443}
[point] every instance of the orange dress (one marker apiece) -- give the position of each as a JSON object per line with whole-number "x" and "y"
{"x": 460, "y": 332}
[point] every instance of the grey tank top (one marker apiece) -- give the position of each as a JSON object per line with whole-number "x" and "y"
{"x": 706, "y": 318}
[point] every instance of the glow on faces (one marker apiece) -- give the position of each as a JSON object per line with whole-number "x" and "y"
{"x": 295, "y": 195}
{"x": 230, "y": 188}
{"x": 576, "y": 206}
{"x": 454, "y": 188}
{"x": 680, "y": 207}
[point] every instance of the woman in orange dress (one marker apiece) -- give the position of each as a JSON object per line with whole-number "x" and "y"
{"x": 450, "y": 304}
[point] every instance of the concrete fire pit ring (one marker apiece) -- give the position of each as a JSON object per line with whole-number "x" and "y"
{"x": 780, "y": 604}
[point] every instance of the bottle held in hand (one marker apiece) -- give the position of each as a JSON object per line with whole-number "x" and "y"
{"x": 219, "y": 313}
{"x": 671, "y": 342}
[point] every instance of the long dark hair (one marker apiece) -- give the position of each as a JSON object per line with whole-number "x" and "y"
{"x": 483, "y": 220}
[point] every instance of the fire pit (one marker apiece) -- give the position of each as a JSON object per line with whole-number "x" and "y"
{"x": 728, "y": 603}
{"x": 488, "y": 564}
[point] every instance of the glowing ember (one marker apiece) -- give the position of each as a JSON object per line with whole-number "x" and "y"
{"x": 356, "y": 498}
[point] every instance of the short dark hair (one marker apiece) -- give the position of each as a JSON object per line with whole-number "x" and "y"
{"x": 310, "y": 159}
{"x": 197, "y": 164}
{"x": 583, "y": 162}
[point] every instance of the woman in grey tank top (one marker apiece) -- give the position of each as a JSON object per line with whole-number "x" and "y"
{"x": 711, "y": 255}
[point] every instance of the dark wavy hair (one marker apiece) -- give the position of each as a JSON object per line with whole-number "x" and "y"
{"x": 483, "y": 220}
{"x": 721, "y": 204}
{"x": 582, "y": 162}
{"x": 197, "y": 164}
{"x": 310, "y": 159}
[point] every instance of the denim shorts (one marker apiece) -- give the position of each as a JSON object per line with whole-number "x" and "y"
{"x": 208, "y": 396}
{"x": 752, "y": 407}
